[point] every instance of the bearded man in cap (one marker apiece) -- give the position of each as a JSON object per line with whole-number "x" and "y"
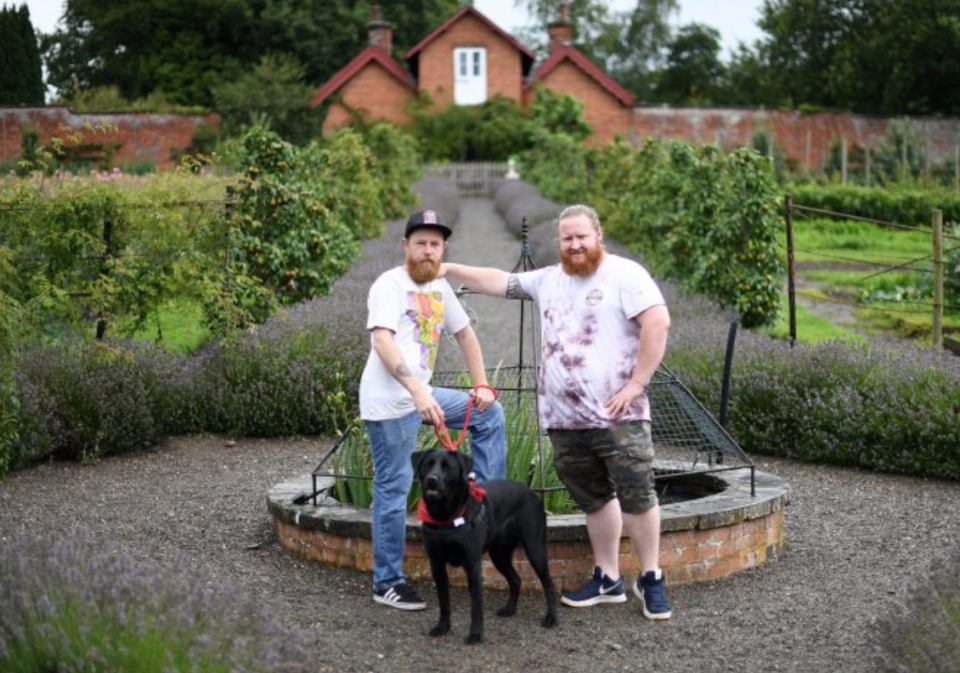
{"x": 408, "y": 308}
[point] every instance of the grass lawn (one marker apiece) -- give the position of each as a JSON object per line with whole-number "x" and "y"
{"x": 180, "y": 324}
{"x": 812, "y": 328}
{"x": 844, "y": 248}
{"x": 823, "y": 240}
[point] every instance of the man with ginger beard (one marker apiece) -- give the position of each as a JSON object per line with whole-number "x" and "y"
{"x": 604, "y": 333}
{"x": 408, "y": 309}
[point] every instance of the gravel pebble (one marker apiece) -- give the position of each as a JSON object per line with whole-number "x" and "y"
{"x": 853, "y": 542}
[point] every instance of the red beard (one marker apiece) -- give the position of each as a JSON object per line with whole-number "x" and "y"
{"x": 423, "y": 271}
{"x": 583, "y": 265}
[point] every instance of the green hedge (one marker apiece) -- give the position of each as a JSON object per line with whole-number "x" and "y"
{"x": 900, "y": 205}
{"x": 695, "y": 214}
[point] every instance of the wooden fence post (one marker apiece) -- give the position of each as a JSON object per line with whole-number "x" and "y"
{"x": 791, "y": 272}
{"x": 104, "y": 270}
{"x": 867, "y": 159}
{"x": 937, "y": 279}
{"x": 843, "y": 160}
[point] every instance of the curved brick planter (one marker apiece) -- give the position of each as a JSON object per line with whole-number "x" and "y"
{"x": 700, "y": 539}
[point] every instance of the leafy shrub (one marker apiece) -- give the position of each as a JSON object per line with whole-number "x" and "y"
{"x": 923, "y": 636}
{"x": 700, "y": 216}
{"x": 73, "y": 605}
{"x": 902, "y": 205}
{"x": 492, "y": 131}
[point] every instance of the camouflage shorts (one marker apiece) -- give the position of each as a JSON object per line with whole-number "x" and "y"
{"x": 599, "y": 464}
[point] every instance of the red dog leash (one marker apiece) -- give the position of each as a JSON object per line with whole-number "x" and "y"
{"x": 443, "y": 435}
{"x": 477, "y": 493}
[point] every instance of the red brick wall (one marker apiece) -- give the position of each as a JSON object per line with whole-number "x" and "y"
{"x": 804, "y": 138}
{"x": 685, "y": 556}
{"x": 503, "y": 62}
{"x": 376, "y": 93}
{"x": 139, "y": 135}
{"x": 607, "y": 116}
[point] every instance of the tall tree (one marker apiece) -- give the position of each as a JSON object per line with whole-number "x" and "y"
{"x": 21, "y": 76}
{"x": 185, "y": 48}
{"x": 693, "y": 73}
{"x": 629, "y": 45}
{"x": 874, "y": 56}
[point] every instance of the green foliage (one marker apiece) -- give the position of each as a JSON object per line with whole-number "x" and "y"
{"x": 559, "y": 113}
{"x": 92, "y": 251}
{"x": 697, "y": 215}
{"x": 274, "y": 95}
{"x": 493, "y": 131}
{"x": 871, "y": 56}
{"x": 302, "y": 212}
{"x": 21, "y": 77}
{"x": 693, "y": 73}
{"x": 107, "y": 98}
{"x": 9, "y": 349}
{"x": 186, "y": 48}
{"x": 286, "y": 236}
{"x": 903, "y": 205}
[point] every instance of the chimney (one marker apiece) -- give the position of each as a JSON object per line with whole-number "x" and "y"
{"x": 379, "y": 33}
{"x": 561, "y": 30}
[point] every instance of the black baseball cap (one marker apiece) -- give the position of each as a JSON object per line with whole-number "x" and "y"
{"x": 427, "y": 218}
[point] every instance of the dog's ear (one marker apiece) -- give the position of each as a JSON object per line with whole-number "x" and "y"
{"x": 416, "y": 459}
{"x": 466, "y": 464}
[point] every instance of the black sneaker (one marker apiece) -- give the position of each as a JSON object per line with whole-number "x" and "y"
{"x": 401, "y": 596}
{"x": 652, "y": 593}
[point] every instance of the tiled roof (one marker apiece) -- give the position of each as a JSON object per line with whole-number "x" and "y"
{"x": 586, "y": 65}
{"x": 527, "y": 53}
{"x": 369, "y": 54}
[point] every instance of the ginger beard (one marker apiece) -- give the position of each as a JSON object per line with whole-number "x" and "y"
{"x": 583, "y": 264}
{"x": 423, "y": 271}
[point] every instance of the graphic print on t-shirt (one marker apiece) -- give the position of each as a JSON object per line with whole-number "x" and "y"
{"x": 425, "y": 309}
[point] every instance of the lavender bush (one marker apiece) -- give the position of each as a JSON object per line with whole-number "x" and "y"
{"x": 923, "y": 636}
{"x": 73, "y": 605}
{"x": 534, "y": 208}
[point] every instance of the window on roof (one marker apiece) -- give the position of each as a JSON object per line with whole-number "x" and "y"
{"x": 470, "y": 75}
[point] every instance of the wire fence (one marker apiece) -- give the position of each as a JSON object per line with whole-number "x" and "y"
{"x": 929, "y": 273}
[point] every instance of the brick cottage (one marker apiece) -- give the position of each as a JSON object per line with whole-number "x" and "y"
{"x": 467, "y": 60}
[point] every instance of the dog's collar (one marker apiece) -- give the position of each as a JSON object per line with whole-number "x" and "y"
{"x": 459, "y": 519}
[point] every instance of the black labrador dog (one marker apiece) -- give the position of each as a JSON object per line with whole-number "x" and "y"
{"x": 461, "y": 521}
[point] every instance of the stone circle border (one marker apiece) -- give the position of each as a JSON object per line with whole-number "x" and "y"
{"x": 700, "y": 540}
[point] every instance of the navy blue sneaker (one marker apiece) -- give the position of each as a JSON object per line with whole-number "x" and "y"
{"x": 652, "y": 593}
{"x": 601, "y": 589}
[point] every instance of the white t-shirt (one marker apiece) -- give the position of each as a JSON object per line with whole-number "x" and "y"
{"x": 416, "y": 314}
{"x": 590, "y": 340}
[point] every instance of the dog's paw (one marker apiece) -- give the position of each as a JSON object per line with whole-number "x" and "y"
{"x": 439, "y": 630}
{"x": 549, "y": 621}
{"x": 507, "y": 611}
{"x": 473, "y": 639}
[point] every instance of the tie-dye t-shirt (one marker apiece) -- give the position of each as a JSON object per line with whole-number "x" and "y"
{"x": 590, "y": 340}
{"x": 416, "y": 314}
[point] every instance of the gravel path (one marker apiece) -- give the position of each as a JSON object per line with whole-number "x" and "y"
{"x": 197, "y": 505}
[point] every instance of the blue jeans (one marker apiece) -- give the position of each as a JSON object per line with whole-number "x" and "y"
{"x": 393, "y": 442}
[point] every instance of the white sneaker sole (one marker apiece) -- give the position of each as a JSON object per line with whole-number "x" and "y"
{"x": 596, "y": 600}
{"x": 649, "y": 615}
{"x": 399, "y": 606}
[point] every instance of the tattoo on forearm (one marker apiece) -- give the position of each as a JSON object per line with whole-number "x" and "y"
{"x": 515, "y": 290}
{"x": 402, "y": 370}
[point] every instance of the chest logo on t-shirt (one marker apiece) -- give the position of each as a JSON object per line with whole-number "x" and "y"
{"x": 425, "y": 309}
{"x": 594, "y": 297}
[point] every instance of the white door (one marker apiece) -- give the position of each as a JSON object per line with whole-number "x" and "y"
{"x": 469, "y": 75}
